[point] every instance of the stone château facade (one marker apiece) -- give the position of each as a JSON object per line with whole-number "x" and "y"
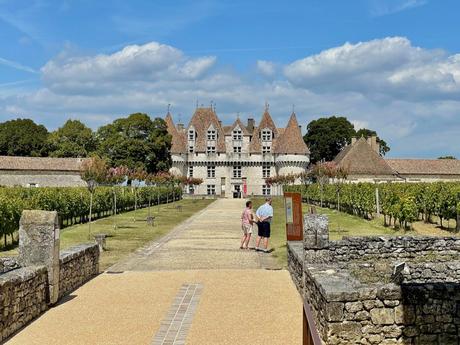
{"x": 236, "y": 159}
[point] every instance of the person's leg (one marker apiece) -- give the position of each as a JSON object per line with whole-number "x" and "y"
{"x": 243, "y": 240}
{"x": 259, "y": 234}
{"x": 266, "y": 235}
{"x": 248, "y": 238}
{"x": 266, "y": 243}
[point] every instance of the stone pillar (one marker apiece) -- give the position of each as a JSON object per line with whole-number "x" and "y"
{"x": 316, "y": 231}
{"x": 39, "y": 245}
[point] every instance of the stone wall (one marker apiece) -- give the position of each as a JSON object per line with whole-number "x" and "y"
{"x": 24, "y": 292}
{"x": 77, "y": 265}
{"x": 359, "y": 296}
{"x": 8, "y": 263}
{"x": 41, "y": 178}
{"x": 23, "y": 297}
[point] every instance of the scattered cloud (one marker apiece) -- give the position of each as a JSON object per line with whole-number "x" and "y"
{"x": 402, "y": 91}
{"x": 266, "y": 68}
{"x": 386, "y": 7}
{"x": 16, "y": 65}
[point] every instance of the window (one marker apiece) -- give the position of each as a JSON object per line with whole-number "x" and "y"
{"x": 211, "y": 189}
{"x": 266, "y": 149}
{"x": 191, "y": 134}
{"x": 190, "y": 149}
{"x": 211, "y": 149}
{"x": 237, "y": 149}
{"x": 265, "y": 171}
{"x": 190, "y": 171}
{"x": 211, "y": 171}
{"x": 211, "y": 134}
{"x": 266, "y": 135}
{"x": 191, "y": 189}
{"x": 237, "y": 134}
{"x": 266, "y": 190}
{"x": 237, "y": 171}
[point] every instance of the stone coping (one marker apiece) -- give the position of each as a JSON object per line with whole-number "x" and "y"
{"x": 296, "y": 248}
{"x": 21, "y": 275}
{"x": 76, "y": 251}
{"x": 431, "y": 273}
{"x": 8, "y": 263}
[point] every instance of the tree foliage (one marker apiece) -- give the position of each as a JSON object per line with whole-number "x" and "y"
{"x": 327, "y": 136}
{"x": 447, "y": 157}
{"x": 22, "y": 137}
{"x": 73, "y": 139}
{"x": 136, "y": 142}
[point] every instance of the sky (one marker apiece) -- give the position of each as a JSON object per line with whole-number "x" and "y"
{"x": 389, "y": 65}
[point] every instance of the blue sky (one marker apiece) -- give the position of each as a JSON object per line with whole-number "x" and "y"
{"x": 390, "y": 65}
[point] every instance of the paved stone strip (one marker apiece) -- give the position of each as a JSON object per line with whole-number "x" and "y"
{"x": 174, "y": 328}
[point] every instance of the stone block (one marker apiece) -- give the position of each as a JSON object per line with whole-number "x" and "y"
{"x": 39, "y": 245}
{"x": 382, "y": 316}
{"x": 316, "y": 231}
{"x": 334, "y": 311}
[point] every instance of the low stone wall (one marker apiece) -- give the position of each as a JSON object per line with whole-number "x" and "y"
{"x": 78, "y": 264}
{"x": 295, "y": 263}
{"x": 8, "y": 263}
{"x": 23, "y": 297}
{"x": 379, "y": 290}
{"x": 24, "y": 292}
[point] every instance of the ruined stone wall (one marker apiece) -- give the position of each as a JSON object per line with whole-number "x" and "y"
{"x": 388, "y": 248}
{"x": 23, "y": 296}
{"x": 355, "y": 298}
{"x": 78, "y": 264}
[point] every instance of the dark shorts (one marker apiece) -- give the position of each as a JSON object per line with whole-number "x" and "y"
{"x": 263, "y": 229}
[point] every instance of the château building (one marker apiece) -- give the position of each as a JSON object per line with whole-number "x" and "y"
{"x": 235, "y": 160}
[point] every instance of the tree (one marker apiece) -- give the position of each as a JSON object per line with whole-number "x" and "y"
{"x": 94, "y": 172}
{"x": 447, "y": 157}
{"x": 327, "y": 136}
{"x": 136, "y": 142}
{"x": 73, "y": 139}
{"x": 366, "y": 133}
{"x": 22, "y": 137}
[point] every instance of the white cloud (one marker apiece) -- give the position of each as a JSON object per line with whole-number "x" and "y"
{"x": 266, "y": 68}
{"x": 403, "y": 92}
{"x": 150, "y": 62}
{"x": 391, "y": 66}
{"x": 386, "y": 7}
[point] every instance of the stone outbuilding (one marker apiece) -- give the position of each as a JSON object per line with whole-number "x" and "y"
{"x": 40, "y": 172}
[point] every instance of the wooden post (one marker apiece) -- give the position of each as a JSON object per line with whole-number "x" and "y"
{"x": 377, "y": 202}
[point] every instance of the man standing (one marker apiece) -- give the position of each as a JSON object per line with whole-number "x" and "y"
{"x": 264, "y": 215}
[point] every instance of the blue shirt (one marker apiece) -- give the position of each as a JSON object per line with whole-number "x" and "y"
{"x": 266, "y": 210}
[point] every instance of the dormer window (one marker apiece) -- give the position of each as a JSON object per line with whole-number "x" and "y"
{"x": 237, "y": 134}
{"x": 266, "y": 134}
{"x": 191, "y": 135}
{"x": 211, "y": 133}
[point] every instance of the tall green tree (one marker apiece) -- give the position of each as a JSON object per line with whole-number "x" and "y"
{"x": 366, "y": 133}
{"x": 73, "y": 139}
{"x": 136, "y": 141}
{"x": 327, "y": 136}
{"x": 22, "y": 137}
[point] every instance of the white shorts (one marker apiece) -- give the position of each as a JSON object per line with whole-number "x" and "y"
{"x": 247, "y": 228}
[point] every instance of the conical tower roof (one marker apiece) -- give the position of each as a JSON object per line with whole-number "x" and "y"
{"x": 291, "y": 141}
{"x": 265, "y": 122}
{"x": 201, "y": 121}
{"x": 178, "y": 138}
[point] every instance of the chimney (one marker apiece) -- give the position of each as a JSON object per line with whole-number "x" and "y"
{"x": 180, "y": 127}
{"x": 220, "y": 123}
{"x": 375, "y": 146}
{"x": 353, "y": 140}
{"x": 251, "y": 124}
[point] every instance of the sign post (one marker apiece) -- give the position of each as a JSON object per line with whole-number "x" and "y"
{"x": 294, "y": 219}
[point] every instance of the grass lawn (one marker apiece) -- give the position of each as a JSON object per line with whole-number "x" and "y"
{"x": 340, "y": 224}
{"x": 132, "y": 229}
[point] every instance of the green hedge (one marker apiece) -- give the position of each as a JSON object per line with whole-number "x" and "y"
{"x": 72, "y": 203}
{"x": 400, "y": 203}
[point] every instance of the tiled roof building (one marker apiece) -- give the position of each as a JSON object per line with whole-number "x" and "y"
{"x": 40, "y": 171}
{"x": 363, "y": 163}
{"x": 236, "y": 158}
